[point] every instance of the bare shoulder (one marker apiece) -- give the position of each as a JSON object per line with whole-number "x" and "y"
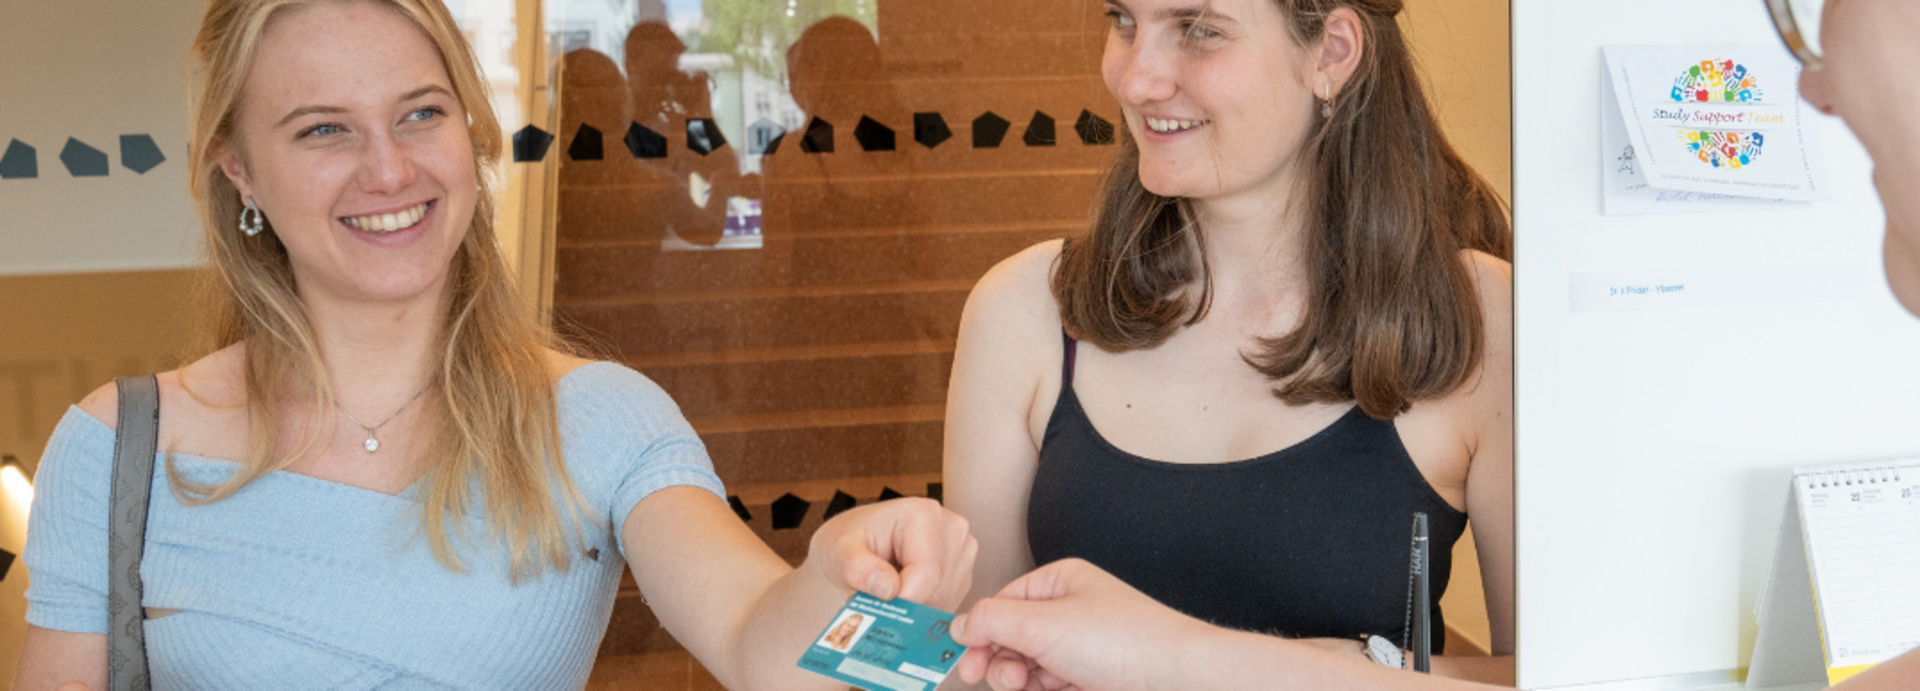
{"x": 215, "y": 380}
{"x": 564, "y": 364}
{"x": 1492, "y": 275}
{"x": 103, "y": 404}
{"x": 1016, "y": 295}
{"x": 1493, "y": 279}
{"x": 1492, "y": 386}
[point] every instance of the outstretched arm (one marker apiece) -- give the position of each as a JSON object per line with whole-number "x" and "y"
{"x": 1002, "y": 388}
{"x": 1070, "y": 625}
{"x": 52, "y": 659}
{"x": 746, "y": 615}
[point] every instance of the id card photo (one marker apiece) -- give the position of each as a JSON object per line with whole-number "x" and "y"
{"x": 845, "y": 631}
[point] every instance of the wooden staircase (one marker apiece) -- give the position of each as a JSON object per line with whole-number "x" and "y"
{"x": 818, "y": 363}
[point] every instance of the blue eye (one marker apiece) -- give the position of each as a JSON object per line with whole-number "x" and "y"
{"x": 319, "y": 131}
{"x": 1120, "y": 19}
{"x": 424, "y": 114}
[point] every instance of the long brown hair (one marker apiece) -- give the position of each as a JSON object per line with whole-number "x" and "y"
{"x": 1392, "y": 314}
{"x": 495, "y": 428}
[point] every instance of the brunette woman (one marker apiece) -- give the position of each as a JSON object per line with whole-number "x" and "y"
{"x": 1072, "y": 625}
{"x": 1286, "y": 332}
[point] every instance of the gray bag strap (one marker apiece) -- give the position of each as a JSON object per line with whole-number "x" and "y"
{"x": 135, "y": 445}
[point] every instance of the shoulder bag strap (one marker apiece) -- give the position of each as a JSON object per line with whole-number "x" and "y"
{"x": 135, "y": 445}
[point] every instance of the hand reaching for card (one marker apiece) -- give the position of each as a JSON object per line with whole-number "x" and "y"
{"x": 1070, "y": 625}
{"x": 858, "y": 549}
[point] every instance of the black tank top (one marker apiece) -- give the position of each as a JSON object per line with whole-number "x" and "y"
{"x": 1308, "y": 541}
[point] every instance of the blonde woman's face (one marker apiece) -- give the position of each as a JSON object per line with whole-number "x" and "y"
{"x": 1215, "y": 92}
{"x": 352, "y": 142}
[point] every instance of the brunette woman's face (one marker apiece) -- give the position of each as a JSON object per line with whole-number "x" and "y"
{"x": 1866, "y": 44}
{"x": 350, "y": 139}
{"x": 1216, "y": 93}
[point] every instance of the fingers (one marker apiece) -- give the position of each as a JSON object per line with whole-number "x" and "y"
{"x": 1009, "y": 672}
{"x": 933, "y": 548}
{"x": 865, "y": 571}
{"x": 959, "y": 578}
{"x": 1048, "y": 681}
{"x": 926, "y": 541}
{"x": 1003, "y": 623}
{"x": 973, "y": 665}
{"x": 1051, "y": 582}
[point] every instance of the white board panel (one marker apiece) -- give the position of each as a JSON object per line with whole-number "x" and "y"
{"x": 1654, "y": 445}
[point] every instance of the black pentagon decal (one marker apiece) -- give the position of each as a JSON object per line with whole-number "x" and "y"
{"x": 819, "y": 137}
{"x": 645, "y": 143}
{"x": 530, "y": 144}
{"x": 988, "y": 130}
{"x": 1039, "y": 130}
{"x": 587, "y": 144}
{"x": 930, "y": 129}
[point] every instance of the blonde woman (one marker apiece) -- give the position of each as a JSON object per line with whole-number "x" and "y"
{"x": 386, "y": 475}
{"x": 842, "y": 636}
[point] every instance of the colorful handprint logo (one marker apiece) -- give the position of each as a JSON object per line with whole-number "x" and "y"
{"x": 1724, "y": 149}
{"x": 1716, "y": 82}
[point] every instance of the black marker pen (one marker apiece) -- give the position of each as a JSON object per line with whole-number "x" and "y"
{"x": 1422, "y": 599}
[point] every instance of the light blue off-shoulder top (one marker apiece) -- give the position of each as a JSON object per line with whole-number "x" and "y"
{"x": 300, "y": 583}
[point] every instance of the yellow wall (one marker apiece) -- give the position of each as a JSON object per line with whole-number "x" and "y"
{"x": 62, "y": 336}
{"x": 1463, "y": 48}
{"x": 67, "y": 334}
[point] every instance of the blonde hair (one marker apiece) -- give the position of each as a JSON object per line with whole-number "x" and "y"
{"x": 495, "y": 426}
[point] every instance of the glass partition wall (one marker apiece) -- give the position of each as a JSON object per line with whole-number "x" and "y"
{"x": 775, "y": 209}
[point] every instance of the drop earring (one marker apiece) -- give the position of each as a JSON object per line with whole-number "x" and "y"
{"x": 1326, "y": 102}
{"x": 251, "y": 220}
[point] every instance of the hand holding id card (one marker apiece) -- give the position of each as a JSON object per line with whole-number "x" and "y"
{"x": 894, "y": 645}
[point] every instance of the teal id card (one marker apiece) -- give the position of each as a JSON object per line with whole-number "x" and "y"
{"x": 885, "y": 646}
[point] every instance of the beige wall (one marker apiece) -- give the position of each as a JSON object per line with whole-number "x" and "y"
{"x": 1463, "y": 48}
{"x": 67, "y": 334}
{"x": 62, "y": 336}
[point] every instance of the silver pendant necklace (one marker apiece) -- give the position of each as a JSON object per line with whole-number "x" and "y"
{"x": 372, "y": 444}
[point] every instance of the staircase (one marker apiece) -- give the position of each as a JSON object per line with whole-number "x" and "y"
{"x": 818, "y": 363}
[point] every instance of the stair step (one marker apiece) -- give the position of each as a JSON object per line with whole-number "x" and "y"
{"x": 798, "y": 236}
{"x": 817, "y": 419}
{"x": 784, "y": 354}
{"x": 608, "y": 267}
{"x": 865, "y": 489}
{"x": 837, "y": 191}
{"x": 826, "y": 378}
{"x": 774, "y": 454}
{"x": 633, "y": 327}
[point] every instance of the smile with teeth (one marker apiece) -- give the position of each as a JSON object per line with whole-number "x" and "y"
{"x": 1171, "y": 126}
{"x": 387, "y": 223}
